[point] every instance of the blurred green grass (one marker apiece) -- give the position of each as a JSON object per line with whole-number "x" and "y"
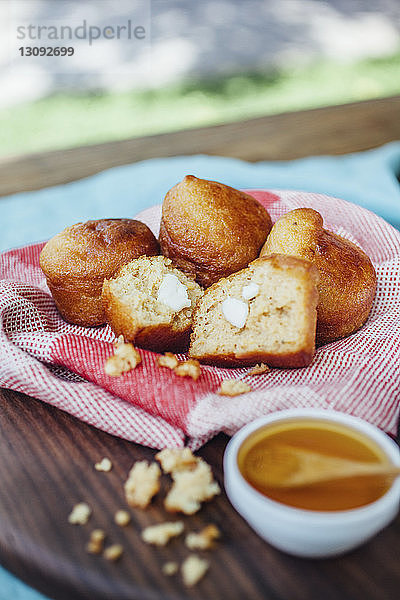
{"x": 68, "y": 120}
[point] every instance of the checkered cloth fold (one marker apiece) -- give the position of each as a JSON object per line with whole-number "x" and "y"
{"x": 51, "y": 360}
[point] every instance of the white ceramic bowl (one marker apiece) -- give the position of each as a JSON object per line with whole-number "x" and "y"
{"x": 310, "y": 533}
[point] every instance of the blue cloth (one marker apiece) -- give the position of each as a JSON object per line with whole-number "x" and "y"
{"x": 367, "y": 178}
{"x": 12, "y": 588}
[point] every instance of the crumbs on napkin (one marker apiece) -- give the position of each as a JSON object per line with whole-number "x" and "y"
{"x": 259, "y": 369}
{"x": 233, "y": 387}
{"x": 182, "y": 368}
{"x": 124, "y": 359}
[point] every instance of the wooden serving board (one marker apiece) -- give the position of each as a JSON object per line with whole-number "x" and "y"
{"x": 47, "y": 465}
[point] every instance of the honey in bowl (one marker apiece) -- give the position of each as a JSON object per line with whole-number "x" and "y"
{"x": 325, "y": 437}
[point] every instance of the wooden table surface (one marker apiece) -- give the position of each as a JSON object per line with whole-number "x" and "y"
{"x": 47, "y": 456}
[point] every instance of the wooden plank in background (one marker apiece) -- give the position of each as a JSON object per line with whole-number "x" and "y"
{"x": 331, "y": 130}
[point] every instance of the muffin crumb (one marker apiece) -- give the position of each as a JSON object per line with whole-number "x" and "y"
{"x": 104, "y": 464}
{"x": 80, "y": 514}
{"x": 96, "y": 542}
{"x": 168, "y": 360}
{"x": 189, "y": 368}
{"x": 259, "y": 369}
{"x": 142, "y": 484}
{"x": 113, "y": 552}
{"x": 204, "y": 540}
{"x": 159, "y": 535}
{"x": 233, "y": 387}
{"x": 190, "y": 488}
{"x": 122, "y": 518}
{"x": 124, "y": 359}
{"x": 193, "y": 569}
{"x": 170, "y": 568}
{"x": 174, "y": 459}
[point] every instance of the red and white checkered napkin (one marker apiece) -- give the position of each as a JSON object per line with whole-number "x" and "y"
{"x": 49, "y": 359}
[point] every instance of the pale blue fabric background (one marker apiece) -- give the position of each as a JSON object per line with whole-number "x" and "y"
{"x": 368, "y": 179}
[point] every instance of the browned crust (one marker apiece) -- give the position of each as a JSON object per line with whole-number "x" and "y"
{"x": 301, "y": 358}
{"x": 290, "y": 360}
{"x": 96, "y": 249}
{"x": 79, "y": 304}
{"x": 210, "y": 230}
{"x": 347, "y": 276}
{"x": 162, "y": 338}
{"x": 77, "y": 260}
{"x": 204, "y": 275}
{"x": 158, "y": 338}
{"x": 170, "y": 250}
{"x": 346, "y": 295}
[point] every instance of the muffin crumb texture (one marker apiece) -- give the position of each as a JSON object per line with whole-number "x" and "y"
{"x": 124, "y": 359}
{"x": 190, "y": 488}
{"x": 193, "y": 569}
{"x": 204, "y": 540}
{"x": 233, "y": 387}
{"x": 159, "y": 535}
{"x": 80, "y": 514}
{"x": 276, "y": 325}
{"x": 176, "y": 459}
{"x": 142, "y": 484}
{"x": 136, "y": 309}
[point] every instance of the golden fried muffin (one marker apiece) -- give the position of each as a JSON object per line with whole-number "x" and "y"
{"x": 77, "y": 260}
{"x": 347, "y": 277}
{"x": 264, "y": 313}
{"x": 210, "y": 230}
{"x": 150, "y": 303}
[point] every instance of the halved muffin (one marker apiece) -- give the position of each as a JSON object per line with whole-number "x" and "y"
{"x": 150, "y": 303}
{"x": 264, "y": 313}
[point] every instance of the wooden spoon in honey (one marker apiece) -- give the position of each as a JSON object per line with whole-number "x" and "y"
{"x": 282, "y": 466}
